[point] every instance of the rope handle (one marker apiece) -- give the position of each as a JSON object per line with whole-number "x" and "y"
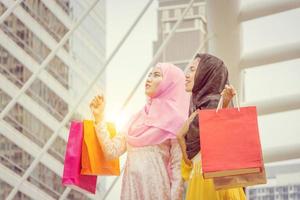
{"x": 220, "y": 104}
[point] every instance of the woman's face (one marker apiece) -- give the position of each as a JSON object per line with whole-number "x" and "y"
{"x": 153, "y": 80}
{"x": 190, "y": 74}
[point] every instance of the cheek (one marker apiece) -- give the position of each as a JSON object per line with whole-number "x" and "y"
{"x": 192, "y": 79}
{"x": 156, "y": 82}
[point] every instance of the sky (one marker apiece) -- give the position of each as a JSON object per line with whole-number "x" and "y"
{"x": 263, "y": 82}
{"x": 133, "y": 58}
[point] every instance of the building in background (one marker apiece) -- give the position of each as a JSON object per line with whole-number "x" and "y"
{"x": 283, "y": 183}
{"x": 189, "y": 36}
{"x": 27, "y": 36}
{"x": 276, "y": 192}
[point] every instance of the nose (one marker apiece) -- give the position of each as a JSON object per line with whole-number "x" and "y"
{"x": 187, "y": 75}
{"x": 149, "y": 79}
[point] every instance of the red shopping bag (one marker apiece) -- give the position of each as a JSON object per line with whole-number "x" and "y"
{"x": 230, "y": 143}
{"x": 72, "y": 165}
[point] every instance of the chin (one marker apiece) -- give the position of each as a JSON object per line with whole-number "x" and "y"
{"x": 147, "y": 93}
{"x": 188, "y": 89}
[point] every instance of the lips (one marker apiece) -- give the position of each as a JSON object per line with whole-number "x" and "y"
{"x": 147, "y": 85}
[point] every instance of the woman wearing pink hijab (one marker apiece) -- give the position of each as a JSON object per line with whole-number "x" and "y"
{"x": 152, "y": 169}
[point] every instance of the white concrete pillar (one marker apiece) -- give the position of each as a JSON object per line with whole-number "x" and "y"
{"x": 223, "y": 23}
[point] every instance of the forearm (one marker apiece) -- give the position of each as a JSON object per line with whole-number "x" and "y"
{"x": 112, "y": 147}
{"x": 182, "y": 144}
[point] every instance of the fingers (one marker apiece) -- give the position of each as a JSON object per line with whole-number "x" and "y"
{"x": 187, "y": 161}
{"x": 92, "y": 104}
{"x": 97, "y": 100}
{"x": 100, "y": 99}
{"x": 228, "y": 91}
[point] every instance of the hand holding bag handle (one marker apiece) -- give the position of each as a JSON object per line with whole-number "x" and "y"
{"x": 220, "y": 104}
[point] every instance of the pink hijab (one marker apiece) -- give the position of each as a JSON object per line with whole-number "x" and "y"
{"x": 165, "y": 112}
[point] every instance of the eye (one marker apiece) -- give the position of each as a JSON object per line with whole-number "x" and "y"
{"x": 156, "y": 74}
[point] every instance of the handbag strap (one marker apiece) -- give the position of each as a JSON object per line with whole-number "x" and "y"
{"x": 220, "y": 104}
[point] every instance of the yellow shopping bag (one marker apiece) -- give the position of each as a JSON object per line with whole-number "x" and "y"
{"x": 93, "y": 160}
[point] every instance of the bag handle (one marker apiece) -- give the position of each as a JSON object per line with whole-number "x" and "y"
{"x": 220, "y": 104}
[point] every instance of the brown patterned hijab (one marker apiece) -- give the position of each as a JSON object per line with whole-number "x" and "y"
{"x": 210, "y": 79}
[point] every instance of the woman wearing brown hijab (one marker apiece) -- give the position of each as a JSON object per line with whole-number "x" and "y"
{"x": 207, "y": 79}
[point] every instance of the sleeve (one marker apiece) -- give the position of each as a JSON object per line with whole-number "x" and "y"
{"x": 175, "y": 167}
{"x": 112, "y": 147}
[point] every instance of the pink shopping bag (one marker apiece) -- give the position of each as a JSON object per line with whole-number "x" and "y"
{"x": 72, "y": 165}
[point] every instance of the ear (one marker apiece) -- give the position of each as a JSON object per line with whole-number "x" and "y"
{"x": 197, "y": 60}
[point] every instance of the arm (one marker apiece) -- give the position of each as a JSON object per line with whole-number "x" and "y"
{"x": 181, "y": 134}
{"x": 112, "y": 147}
{"x": 182, "y": 145}
{"x": 175, "y": 164}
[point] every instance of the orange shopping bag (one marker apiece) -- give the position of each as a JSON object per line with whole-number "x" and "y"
{"x": 230, "y": 146}
{"x": 93, "y": 159}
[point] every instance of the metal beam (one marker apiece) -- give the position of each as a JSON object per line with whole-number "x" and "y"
{"x": 271, "y": 55}
{"x": 9, "y": 10}
{"x": 32, "y": 107}
{"x": 27, "y": 188}
{"x": 65, "y": 193}
{"x": 32, "y": 65}
{"x": 265, "y": 8}
{"x": 68, "y": 116}
{"x": 48, "y": 40}
{"x": 30, "y": 147}
{"x": 43, "y": 65}
{"x": 276, "y": 104}
{"x": 65, "y": 19}
{"x": 94, "y": 14}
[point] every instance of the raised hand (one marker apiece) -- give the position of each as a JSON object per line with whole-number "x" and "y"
{"x": 97, "y": 106}
{"x": 228, "y": 93}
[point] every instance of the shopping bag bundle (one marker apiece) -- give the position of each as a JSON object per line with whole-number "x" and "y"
{"x": 84, "y": 158}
